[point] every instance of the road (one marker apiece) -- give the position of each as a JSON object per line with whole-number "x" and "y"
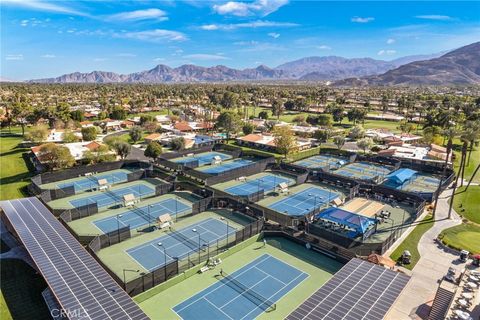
{"x": 416, "y": 298}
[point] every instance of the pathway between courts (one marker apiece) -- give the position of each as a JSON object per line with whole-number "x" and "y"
{"x": 416, "y": 298}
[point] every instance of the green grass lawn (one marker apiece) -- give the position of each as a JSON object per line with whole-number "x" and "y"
{"x": 126, "y": 138}
{"x": 17, "y": 300}
{"x": 411, "y": 242}
{"x": 467, "y": 204}
{"x": 465, "y": 236}
{"x": 21, "y": 292}
{"x": 14, "y": 174}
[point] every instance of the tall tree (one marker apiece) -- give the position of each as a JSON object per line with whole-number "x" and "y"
{"x": 284, "y": 140}
{"x": 229, "y": 122}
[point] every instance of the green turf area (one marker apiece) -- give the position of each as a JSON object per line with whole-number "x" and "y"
{"x": 257, "y": 151}
{"x": 86, "y": 226}
{"x": 21, "y": 289}
{"x": 320, "y": 268}
{"x": 116, "y": 258}
{"x": 14, "y": 173}
{"x": 467, "y": 204}
{"x": 462, "y": 237}
{"x": 64, "y": 203}
{"x": 411, "y": 242}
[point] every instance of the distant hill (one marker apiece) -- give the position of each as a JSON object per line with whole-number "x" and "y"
{"x": 334, "y": 68}
{"x": 356, "y": 70}
{"x": 458, "y": 67}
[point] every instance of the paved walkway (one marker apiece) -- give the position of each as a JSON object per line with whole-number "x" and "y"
{"x": 416, "y": 299}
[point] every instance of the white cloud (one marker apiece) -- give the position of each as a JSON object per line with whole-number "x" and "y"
{"x": 24, "y": 23}
{"x": 390, "y": 41}
{"x": 43, "y": 6}
{"x": 159, "y": 59}
{"x": 386, "y": 52}
{"x": 274, "y": 35}
{"x": 246, "y": 43}
{"x": 362, "y": 20}
{"x": 204, "y": 56}
{"x": 156, "y": 35}
{"x": 323, "y": 47}
{"x": 147, "y": 14}
{"x": 48, "y": 56}
{"x": 14, "y": 57}
{"x": 434, "y": 17}
{"x": 252, "y": 24}
{"x": 243, "y": 9}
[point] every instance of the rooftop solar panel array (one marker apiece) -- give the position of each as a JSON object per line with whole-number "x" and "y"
{"x": 360, "y": 290}
{"x": 82, "y": 287}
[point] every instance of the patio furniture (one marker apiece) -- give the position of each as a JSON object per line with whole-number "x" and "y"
{"x": 462, "y": 315}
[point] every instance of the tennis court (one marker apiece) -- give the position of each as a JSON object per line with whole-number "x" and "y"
{"x": 225, "y": 166}
{"x": 142, "y": 215}
{"x": 330, "y": 162}
{"x": 418, "y": 183}
{"x": 244, "y": 294}
{"x": 84, "y": 183}
{"x": 115, "y": 196}
{"x": 305, "y": 201}
{"x": 203, "y": 158}
{"x": 364, "y": 170}
{"x": 180, "y": 243}
{"x": 91, "y": 182}
{"x": 266, "y": 183}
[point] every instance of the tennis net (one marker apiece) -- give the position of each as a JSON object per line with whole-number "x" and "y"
{"x": 185, "y": 240}
{"x": 149, "y": 218}
{"x": 251, "y": 295}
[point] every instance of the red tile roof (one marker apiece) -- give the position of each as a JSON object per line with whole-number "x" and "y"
{"x": 182, "y": 126}
{"x": 252, "y": 137}
{"x": 93, "y": 145}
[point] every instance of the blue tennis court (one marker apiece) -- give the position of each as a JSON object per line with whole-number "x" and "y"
{"x": 115, "y": 196}
{"x": 225, "y": 166}
{"x": 304, "y": 202}
{"x": 91, "y": 182}
{"x": 267, "y": 183}
{"x": 180, "y": 243}
{"x": 246, "y": 293}
{"x": 322, "y": 161}
{"x": 203, "y": 158}
{"x": 141, "y": 216}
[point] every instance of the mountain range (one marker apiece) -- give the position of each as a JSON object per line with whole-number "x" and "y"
{"x": 460, "y": 66}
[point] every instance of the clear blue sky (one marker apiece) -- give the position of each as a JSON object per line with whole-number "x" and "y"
{"x": 42, "y": 38}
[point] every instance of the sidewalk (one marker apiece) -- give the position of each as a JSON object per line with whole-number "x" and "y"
{"x": 416, "y": 298}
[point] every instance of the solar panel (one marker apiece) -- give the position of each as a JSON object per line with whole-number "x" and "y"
{"x": 360, "y": 290}
{"x": 81, "y": 286}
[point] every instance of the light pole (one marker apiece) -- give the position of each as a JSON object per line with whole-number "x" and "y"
{"x": 164, "y": 258}
{"x": 124, "y": 277}
{"x": 228, "y": 228}
{"x": 176, "y": 208}
{"x": 208, "y": 250}
{"x": 118, "y": 226}
{"x": 195, "y": 230}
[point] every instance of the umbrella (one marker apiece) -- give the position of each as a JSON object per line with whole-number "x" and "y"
{"x": 467, "y": 295}
{"x": 462, "y": 314}
{"x": 473, "y": 278}
{"x": 471, "y": 285}
{"x": 462, "y": 302}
